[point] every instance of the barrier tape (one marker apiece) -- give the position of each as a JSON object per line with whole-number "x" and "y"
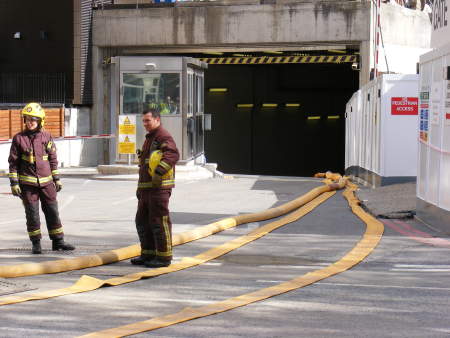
{"x": 371, "y": 238}
{"x": 434, "y": 147}
{"x": 71, "y": 137}
{"x": 87, "y": 283}
{"x": 78, "y": 263}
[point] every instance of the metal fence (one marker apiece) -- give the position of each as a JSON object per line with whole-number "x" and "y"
{"x": 28, "y": 87}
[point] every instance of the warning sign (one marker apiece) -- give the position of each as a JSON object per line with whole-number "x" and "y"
{"x": 127, "y": 134}
{"x": 127, "y": 127}
{"x": 404, "y": 106}
{"x": 126, "y": 146}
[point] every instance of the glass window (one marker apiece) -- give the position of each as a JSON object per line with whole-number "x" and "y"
{"x": 143, "y": 90}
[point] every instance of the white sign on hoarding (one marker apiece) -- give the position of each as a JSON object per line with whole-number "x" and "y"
{"x": 440, "y": 23}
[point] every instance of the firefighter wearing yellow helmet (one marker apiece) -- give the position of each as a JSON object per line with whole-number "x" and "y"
{"x": 34, "y": 110}
{"x": 156, "y": 179}
{"x": 33, "y": 175}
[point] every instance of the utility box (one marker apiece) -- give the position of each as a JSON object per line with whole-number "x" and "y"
{"x": 433, "y": 179}
{"x": 381, "y": 130}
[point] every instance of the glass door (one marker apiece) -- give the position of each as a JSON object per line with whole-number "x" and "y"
{"x": 144, "y": 90}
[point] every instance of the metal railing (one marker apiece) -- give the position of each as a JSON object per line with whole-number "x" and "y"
{"x": 28, "y": 87}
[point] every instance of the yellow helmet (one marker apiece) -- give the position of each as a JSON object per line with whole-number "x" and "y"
{"x": 155, "y": 159}
{"x": 34, "y": 109}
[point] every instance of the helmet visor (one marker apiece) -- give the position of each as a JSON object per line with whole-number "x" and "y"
{"x": 31, "y": 119}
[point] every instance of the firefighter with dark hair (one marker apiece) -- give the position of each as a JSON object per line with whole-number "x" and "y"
{"x": 33, "y": 174}
{"x": 157, "y": 161}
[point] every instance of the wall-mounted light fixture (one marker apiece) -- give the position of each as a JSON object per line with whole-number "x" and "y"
{"x": 213, "y": 53}
{"x": 313, "y": 117}
{"x": 218, "y": 90}
{"x": 270, "y": 105}
{"x": 273, "y": 52}
{"x": 292, "y": 105}
{"x": 150, "y": 66}
{"x": 333, "y": 117}
{"x": 244, "y": 105}
{"x": 17, "y": 35}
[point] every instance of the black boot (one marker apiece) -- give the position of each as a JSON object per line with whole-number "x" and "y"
{"x": 156, "y": 263}
{"x": 36, "y": 249}
{"x": 141, "y": 260}
{"x": 59, "y": 244}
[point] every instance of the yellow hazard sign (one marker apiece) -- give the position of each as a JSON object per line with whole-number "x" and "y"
{"x": 127, "y": 146}
{"x": 127, "y": 134}
{"x": 127, "y": 127}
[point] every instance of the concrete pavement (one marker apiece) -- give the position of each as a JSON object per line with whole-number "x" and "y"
{"x": 402, "y": 284}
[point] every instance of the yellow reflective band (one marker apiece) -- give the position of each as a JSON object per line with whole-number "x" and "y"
{"x": 29, "y": 158}
{"x": 28, "y": 179}
{"x": 144, "y": 184}
{"x": 34, "y": 233}
{"x": 12, "y": 175}
{"x": 147, "y": 160}
{"x": 167, "y": 182}
{"x": 55, "y": 172}
{"x": 56, "y": 231}
{"x": 148, "y": 252}
{"x": 45, "y": 179}
{"x": 164, "y": 253}
{"x": 165, "y": 222}
{"x": 32, "y": 159}
{"x": 165, "y": 165}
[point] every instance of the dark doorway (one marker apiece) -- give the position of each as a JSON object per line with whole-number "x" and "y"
{"x": 278, "y": 119}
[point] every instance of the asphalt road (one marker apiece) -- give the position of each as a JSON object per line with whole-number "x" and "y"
{"x": 400, "y": 290}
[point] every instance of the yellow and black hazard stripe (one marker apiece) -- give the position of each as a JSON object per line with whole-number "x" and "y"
{"x": 258, "y": 60}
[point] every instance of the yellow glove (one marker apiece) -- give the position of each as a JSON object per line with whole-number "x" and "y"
{"x": 15, "y": 190}
{"x": 58, "y": 185}
{"x": 156, "y": 180}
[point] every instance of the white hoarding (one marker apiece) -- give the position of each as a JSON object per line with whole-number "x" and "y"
{"x": 440, "y": 22}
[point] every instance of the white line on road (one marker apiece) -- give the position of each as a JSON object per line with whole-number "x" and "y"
{"x": 85, "y": 182}
{"x": 422, "y": 266}
{"x": 13, "y": 221}
{"x": 124, "y": 200}
{"x": 386, "y": 286}
{"x": 67, "y": 202}
{"x": 421, "y": 270}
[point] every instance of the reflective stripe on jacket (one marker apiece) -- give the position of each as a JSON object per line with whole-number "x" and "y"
{"x": 32, "y": 159}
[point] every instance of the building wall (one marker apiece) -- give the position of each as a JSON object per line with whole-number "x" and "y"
{"x": 46, "y": 43}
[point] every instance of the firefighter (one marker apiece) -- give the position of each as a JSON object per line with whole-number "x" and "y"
{"x": 156, "y": 179}
{"x": 34, "y": 176}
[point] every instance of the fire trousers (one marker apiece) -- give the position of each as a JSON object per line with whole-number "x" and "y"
{"x": 153, "y": 224}
{"x": 47, "y": 195}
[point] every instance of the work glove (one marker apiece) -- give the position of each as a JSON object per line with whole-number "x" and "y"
{"x": 58, "y": 185}
{"x": 156, "y": 181}
{"x": 16, "y": 191}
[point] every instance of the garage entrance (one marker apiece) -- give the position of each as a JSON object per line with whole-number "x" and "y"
{"x": 278, "y": 119}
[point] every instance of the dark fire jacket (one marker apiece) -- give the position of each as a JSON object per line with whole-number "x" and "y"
{"x": 158, "y": 139}
{"x": 32, "y": 159}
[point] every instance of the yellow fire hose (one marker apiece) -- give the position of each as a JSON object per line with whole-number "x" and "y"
{"x": 370, "y": 239}
{"x": 87, "y": 283}
{"x": 112, "y": 256}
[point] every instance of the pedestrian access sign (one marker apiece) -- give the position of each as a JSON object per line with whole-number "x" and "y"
{"x": 127, "y": 134}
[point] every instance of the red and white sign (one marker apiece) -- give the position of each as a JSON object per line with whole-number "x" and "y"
{"x": 404, "y": 105}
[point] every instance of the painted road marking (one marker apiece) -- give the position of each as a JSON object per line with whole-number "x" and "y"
{"x": 415, "y": 234}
